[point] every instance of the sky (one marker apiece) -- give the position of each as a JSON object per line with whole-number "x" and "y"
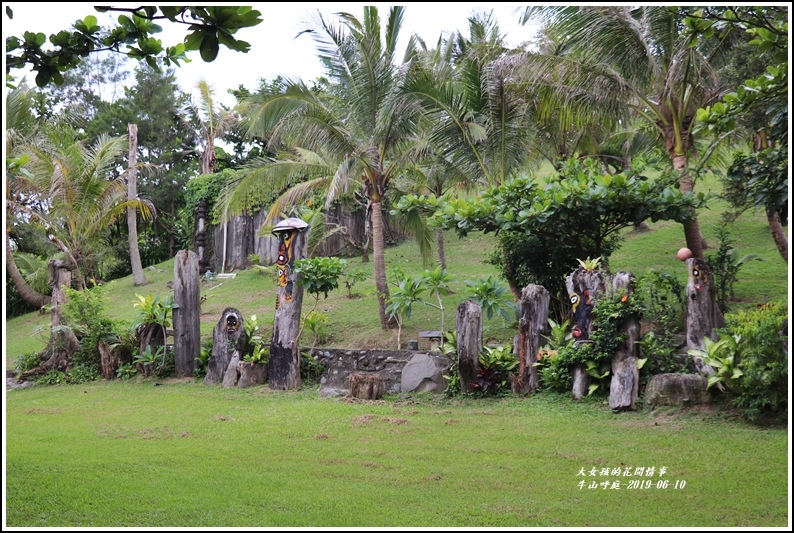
{"x": 274, "y": 49}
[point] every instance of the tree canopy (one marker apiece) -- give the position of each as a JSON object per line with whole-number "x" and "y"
{"x": 209, "y": 27}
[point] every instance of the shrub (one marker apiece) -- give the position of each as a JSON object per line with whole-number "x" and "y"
{"x": 764, "y": 382}
{"x": 496, "y": 365}
{"x": 27, "y": 361}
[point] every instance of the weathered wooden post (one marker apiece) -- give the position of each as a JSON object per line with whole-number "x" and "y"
{"x": 201, "y": 237}
{"x": 625, "y": 385}
{"x": 228, "y": 337}
{"x": 534, "y": 314}
{"x": 187, "y": 332}
{"x": 63, "y": 343}
{"x": 585, "y": 286}
{"x": 284, "y": 364}
{"x": 469, "y": 330}
{"x": 703, "y": 314}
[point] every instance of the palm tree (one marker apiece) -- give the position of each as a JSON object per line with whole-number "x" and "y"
{"x": 355, "y": 135}
{"x": 631, "y": 62}
{"x": 214, "y": 122}
{"x": 20, "y": 126}
{"x": 70, "y": 189}
{"x": 480, "y": 126}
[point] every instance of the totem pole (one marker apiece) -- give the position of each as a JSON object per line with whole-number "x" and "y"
{"x": 585, "y": 285}
{"x": 284, "y": 363}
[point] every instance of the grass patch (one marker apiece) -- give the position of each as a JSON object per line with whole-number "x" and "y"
{"x": 158, "y": 454}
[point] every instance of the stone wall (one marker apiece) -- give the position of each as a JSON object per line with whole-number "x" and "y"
{"x": 390, "y": 364}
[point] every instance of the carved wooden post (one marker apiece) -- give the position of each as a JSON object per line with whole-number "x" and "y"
{"x": 584, "y": 286}
{"x": 228, "y": 337}
{"x": 534, "y": 314}
{"x": 187, "y": 332}
{"x": 284, "y": 364}
{"x": 625, "y": 385}
{"x": 703, "y": 314}
{"x": 201, "y": 237}
{"x": 469, "y": 330}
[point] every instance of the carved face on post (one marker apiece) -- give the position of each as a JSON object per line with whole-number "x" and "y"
{"x": 284, "y": 262}
{"x": 286, "y": 231}
{"x": 581, "y": 307}
{"x": 698, "y": 277}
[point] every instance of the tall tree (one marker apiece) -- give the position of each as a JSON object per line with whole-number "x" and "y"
{"x": 21, "y": 126}
{"x": 635, "y": 61}
{"x": 480, "y": 126}
{"x": 355, "y": 135}
{"x": 132, "y": 214}
{"x": 214, "y": 122}
{"x": 73, "y": 196}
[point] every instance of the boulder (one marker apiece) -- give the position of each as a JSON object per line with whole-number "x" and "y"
{"x": 424, "y": 373}
{"x": 676, "y": 389}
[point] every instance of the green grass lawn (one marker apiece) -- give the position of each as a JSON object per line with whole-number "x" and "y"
{"x": 177, "y": 453}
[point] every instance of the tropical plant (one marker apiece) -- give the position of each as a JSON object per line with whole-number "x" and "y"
{"x": 351, "y": 136}
{"x": 723, "y": 355}
{"x": 450, "y": 349}
{"x": 67, "y": 190}
{"x": 725, "y": 264}
{"x": 493, "y": 297}
{"x": 351, "y": 276}
{"x": 496, "y": 366}
{"x": 150, "y": 362}
{"x": 126, "y": 371}
{"x": 765, "y": 362}
{"x": 632, "y": 61}
{"x": 318, "y": 275}
{"x": 400, "y": 302}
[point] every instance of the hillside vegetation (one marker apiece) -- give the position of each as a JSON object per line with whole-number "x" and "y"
{"x": 353, "y": 322}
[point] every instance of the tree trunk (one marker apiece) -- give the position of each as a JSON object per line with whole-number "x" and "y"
{"x": 284, "y": 364}
{"x": 703, "y": 313}
{"x": 625, "y": 384}
{"x": 228, "y": 338}
{"x": 469, "y": 331}
{"x": 63, "y": 343}
{"x": 778, "y": 233}
{"x": 366, "y": 385}
{"x": 26, "y": 292}
{"x": 442, "y": 256}
{"x": 187, "y": 325}
{"x": 132, "y": 214}
{"x": 533, "y": 320}
{"x": 379, "y": 259}
{"x": 694, "y": 239}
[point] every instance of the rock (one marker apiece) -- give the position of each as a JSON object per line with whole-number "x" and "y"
{"x": 676, "y": 389}
{"x": 424, "y": 373}
{"x": 330, "y": 392}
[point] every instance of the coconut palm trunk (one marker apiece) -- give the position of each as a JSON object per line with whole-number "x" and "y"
{"x": 31, "y": 296}
{"x": 694, "y": 239}
{"x": 132, "y": 214}
{"x": 379, "y": 264}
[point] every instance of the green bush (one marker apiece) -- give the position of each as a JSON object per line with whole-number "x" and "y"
{"x": 764, "y": 383}
{"x": 27, "y": 361}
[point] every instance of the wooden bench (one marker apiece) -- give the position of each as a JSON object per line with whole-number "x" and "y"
{"x": 434, "y": 337}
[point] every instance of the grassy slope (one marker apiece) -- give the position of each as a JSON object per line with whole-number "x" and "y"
{"x": 353, "y": 322}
